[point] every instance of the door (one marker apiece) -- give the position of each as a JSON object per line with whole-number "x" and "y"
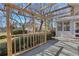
{"x": 66, "y": 29}
{"x": 77, "y": 29}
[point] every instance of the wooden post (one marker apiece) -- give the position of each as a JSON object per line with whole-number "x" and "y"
{"x": 9, "y": 40}
{"x": 33, "y": 24}
{"x": 33, "y": 30}
{"x": 45, "y": 32}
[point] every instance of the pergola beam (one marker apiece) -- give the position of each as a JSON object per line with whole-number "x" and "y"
{"x": 27, "y": 5}
{"x": 58, "y": 10}
{"x": 25, "y": 10}
{"x": 43, "y": 8}
{"x": 16, "y": 14}
{"x": 49, "y": 13}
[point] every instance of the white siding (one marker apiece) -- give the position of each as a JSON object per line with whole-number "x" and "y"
{"x": 66, "y": 33}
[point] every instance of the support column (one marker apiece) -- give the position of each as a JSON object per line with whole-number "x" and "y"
{"x": 33, "y": 24}
{"x": 9, "y": 39}
{"x": 62, "y": 26}
{"x": 45, "y": 32}
{"x": 33, "y": 30}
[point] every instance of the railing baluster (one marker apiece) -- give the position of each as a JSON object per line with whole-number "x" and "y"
{"x": 24, "y": 41}
{"x": 37, "y": 39}
{"x": 33, "y": 39}
{"x": 30, "y": 40}
{"x": 27, "y": 42}
{"x": 15, "y": 45}
{"x": 19, "y": 43}
{"x": 41, "y": 38}
{"x": 44, "y": 37}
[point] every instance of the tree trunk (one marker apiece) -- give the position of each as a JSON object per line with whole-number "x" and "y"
{"x": 23, "y": 27}
{"x": 41, "y": 25}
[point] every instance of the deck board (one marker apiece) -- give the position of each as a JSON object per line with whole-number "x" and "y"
{"x": 54, "y": 48}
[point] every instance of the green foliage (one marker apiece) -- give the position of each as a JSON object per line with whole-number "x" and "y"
{"x": 50, "y": 35}
{"x": 3, "y": 49}
{"x": 19, "y": 31}
{"x": 3, "y": 36}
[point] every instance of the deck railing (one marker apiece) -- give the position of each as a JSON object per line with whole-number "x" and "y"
{"x": 25, "y": 42}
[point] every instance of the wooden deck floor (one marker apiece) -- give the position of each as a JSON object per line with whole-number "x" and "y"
{"x": 55, "y": 48}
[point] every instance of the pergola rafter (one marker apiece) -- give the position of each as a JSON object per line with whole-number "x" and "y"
{"x": 58, "y": 9}
{"x": 27, "y": 5}
{"x": 44, "y": 7}
{"x": 25, "y": 10}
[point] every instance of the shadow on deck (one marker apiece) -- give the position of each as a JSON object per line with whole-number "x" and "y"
{"x": 40, "y": 48}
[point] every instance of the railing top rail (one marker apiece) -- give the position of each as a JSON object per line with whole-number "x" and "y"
{"x": 36, "y": 33}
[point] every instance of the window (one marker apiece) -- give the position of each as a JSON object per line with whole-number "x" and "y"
{"x": 66, "y": 26}
{"x": 77, "y": 28}
{"x": 59, "y": 26}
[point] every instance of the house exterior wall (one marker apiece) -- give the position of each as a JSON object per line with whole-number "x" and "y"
{"x": 66, "y": 33}
{"x": 72, "y": 20}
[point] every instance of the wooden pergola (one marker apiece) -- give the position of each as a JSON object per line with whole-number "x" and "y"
{"x": 46, "y": 16}
{"x": 8, "y": 9}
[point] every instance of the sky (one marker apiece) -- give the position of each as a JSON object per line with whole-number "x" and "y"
{"x": 34, "y": 5}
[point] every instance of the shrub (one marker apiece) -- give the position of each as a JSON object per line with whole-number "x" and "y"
{"x": 3, "y": 49}
{"x": 50, "y": 35}
{"x": 19, "y": 31}
{"x": 3, "y": 36}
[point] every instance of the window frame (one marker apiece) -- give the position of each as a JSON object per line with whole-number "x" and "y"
{"x": 66, "y": 26}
